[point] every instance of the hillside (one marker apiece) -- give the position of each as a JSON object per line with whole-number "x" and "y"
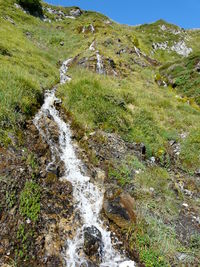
{"x": 133, "y": 105}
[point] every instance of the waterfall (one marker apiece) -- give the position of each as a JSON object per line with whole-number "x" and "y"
{"x": 100, "y": 67}
{"x": 88, "y": 197}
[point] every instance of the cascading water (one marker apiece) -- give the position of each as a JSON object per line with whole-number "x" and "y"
{"x": 100, "y": 67}
{"x": 88, "y": 197}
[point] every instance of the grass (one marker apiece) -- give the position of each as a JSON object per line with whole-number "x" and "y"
{"x": 156, "y": 116}
{"x": 158, "y": 208}
{"x": 185, "y": 78}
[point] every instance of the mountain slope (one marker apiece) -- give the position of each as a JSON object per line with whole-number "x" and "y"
{"x": 133, "y": 104}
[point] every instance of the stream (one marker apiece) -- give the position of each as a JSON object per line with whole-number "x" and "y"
{"x": 88, "y": 196}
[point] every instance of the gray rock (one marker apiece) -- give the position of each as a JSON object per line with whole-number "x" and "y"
{"x": 75, "y": 12}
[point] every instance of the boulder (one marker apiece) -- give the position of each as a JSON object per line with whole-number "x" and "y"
{"x": 75, "y": 12}
{"x": 119, "y": 207}
{"x": 92, "y": 241}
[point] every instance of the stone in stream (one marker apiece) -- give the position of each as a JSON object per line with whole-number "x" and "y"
{"x": 92, "y": 241}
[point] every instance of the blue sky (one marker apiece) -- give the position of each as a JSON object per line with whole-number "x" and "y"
{"x": 185, "y": 13}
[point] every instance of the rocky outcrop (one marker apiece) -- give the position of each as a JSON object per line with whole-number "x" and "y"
{"x": 175, "y": 31}
{"x": 179, "y": 47}
{"x": 61, "y": 15}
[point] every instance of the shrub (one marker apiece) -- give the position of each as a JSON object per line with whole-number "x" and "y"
{"x": 33, "y": 6}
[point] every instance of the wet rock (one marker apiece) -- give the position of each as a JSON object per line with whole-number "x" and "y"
{"x": 92, "y": 241}
{"x": 88, "y": 264}
{"x": 119, "y": 207}
{"x": 127, "y": 264}
{"x": 54, "y": 261}
{"x": 52, "y": 242}
{"x": 57, "y": 102}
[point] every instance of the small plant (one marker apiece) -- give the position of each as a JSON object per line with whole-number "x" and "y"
{"x": 24, "y": 238}
{"x": 10, "y": 198}
{"x": 30, "y": 201}
{"x": 31, "y": 161}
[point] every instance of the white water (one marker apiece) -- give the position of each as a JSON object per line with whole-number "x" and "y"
{"x": 88, "y": 197}
{"x": 100, "y": 67}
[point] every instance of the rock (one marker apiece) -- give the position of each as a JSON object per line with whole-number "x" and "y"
{"x": 62, "y": 43}
{"x": 118, "y": 207}
{"x": 197, "y": 68}
{"x": 53, "y": 246}
{"x": 162, "y": 46}
{"x": 28, "y": 34}
{"x": 41, "y": 147}
{"x": 143, "y": 149}
{"x": 127, "y": 264}
{"x": 112, "y": 63}
{"x": 198, "y": 172}
{"x": 17, "y": 6}
{"x": 75, "y": 12}
{"x": 54, "y": 169}
{"x": 9, "y": 19}
{"x": 92, "y": 241}
{"x": 54, "y": 261}
{"x": 88, "y": 264}
{"x": 181, "y": 49}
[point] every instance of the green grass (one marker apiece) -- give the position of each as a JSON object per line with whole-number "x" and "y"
{"x": 155, "y": 117}
{"x": 185, "y": 77}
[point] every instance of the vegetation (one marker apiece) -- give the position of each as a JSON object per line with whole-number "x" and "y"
{"x": 184, "y": 77}
{"x": 30, "y": 201}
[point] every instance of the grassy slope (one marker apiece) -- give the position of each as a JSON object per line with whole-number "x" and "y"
{"x": 131, "y": 105}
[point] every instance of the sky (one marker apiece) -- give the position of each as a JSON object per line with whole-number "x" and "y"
{"x": 184, "y": 13}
